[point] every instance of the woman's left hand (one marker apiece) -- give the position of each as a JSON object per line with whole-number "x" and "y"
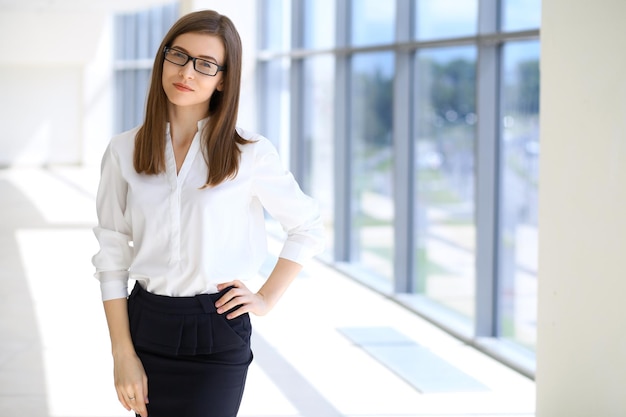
{"x": 265, "y": 299}
{"x": 240, "y": 295}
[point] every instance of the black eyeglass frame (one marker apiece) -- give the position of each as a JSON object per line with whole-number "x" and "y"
{"x": 193, "y": 59}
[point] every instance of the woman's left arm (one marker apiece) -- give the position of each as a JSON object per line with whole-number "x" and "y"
{"x": 265, "y": 299}
{"x": 299, "y": 215}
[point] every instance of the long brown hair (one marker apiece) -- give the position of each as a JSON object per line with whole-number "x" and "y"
{"x": 219, "y": 138}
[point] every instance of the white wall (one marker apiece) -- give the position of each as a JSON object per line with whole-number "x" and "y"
{"x": 98, "y": 96}
{"x": 581, "y": 348}
{"x": 39, "y": 114}
{"x": 47, "y": 97}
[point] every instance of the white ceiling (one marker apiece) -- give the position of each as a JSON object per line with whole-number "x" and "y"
{"x": 76, "y": 5}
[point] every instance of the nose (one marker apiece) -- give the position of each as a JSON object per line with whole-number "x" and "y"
{"x": 187, "y": 70}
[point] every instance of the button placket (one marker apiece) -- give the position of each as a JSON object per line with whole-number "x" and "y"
{"x": 177, "y": 182}
{"x": 174, "y": 201}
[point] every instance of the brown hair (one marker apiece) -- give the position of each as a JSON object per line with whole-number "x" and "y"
{"x": 219, "y": 138}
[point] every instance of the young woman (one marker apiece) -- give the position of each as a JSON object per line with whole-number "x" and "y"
{"x": 181, "y": 212}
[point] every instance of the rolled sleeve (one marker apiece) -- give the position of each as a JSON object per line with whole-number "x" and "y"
{"x": 113, "y": 231}
{"x": 113, "y": 284}
{"x": 281, "y": 196}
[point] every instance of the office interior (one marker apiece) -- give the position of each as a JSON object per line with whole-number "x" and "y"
{"x": 469, "y": 156}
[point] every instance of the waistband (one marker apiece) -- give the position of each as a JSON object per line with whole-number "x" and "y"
{"x": 197, "y": 304}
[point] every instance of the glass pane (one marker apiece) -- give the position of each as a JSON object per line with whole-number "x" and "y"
{"x": 137, "y": 38}
{"x": 521, "y": 14}
{"x": 121, "y": 111}
{"x": 373, "y": 22}
{"x": 128, "y": 41}
{"x": 372, "y": 162}
{"x": 444, "y": 159}
{"x": 160, "y": 21}
{"x": 519, "y": 147}
{"x": 445, "y": 18}
{"x": 275, "y": 117}
{"x": 319, "y": 95}
{"x": 276, "y": 29}
{"x": 319, "y": 24}
{"x": 157, "y": 18}
{"x": 142, "y": 38}
{"x": 141, "y": 84}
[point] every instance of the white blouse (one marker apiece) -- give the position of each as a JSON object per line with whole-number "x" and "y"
{"x": 176, "y": 239}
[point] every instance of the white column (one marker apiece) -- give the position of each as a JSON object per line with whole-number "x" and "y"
{"x": 581, "y": 348}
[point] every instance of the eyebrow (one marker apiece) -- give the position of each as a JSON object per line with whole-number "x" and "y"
{"x": 187, "y": 52}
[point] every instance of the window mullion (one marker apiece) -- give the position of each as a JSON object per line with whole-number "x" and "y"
{"x": 487, "y": 173}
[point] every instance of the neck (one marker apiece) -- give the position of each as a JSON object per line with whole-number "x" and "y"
{"x": 184, "y": 124}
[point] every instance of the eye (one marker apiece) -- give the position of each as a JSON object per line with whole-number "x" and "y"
{"x": 178, "y": 54}
{"x": 206, "y": 64}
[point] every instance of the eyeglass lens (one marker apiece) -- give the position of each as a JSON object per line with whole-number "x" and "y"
{"x": 200, "y": 65}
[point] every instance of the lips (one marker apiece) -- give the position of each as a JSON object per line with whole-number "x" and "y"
{"x": 182, "y": 87}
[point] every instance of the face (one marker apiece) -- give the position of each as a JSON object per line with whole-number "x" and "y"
{"x": 184, "y": 86}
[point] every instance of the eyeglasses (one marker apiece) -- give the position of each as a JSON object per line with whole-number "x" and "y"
{"x": 201, "y": 65}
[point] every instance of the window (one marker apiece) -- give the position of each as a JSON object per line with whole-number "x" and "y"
{"x": 372, "y": 204}
{"x": 274, "y": 75}
{"x": 275, "y": 121}
{"x": 520, "y": 14}
{"x": 445, "y": 231}
{"x": 440, "y": 19}
{"x": 519, "y": 175}
{"x": 373, "y": 22}
{"x": 137, "y": 38}
{"x": 318, "y": 152}
{"x": 276, "y": 31}
{"x": 319, "y": 24}
{"x": 415, "y": 124}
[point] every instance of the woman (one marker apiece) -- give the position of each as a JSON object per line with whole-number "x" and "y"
{"x": 181, "y": 211}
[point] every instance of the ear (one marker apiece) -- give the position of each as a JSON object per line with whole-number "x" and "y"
{"x": 220, "y": 86}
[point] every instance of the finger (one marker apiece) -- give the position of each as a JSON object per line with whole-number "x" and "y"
{"x": 235, "y": 284}
{"x": 243, "y": 309}
{"x": 239, "y": 306}
{"x": 224, "y": 299}
{"x": 122, "y": 399}
{"x": 230, "y": 295}
{"x": 141, "y": 409}
{"x": 132, "y": 395}
{"x": 139, "y": 404}
{"x": 225, "y": 285}
{"x": 235, "y": 301}
{"x": 132, "y": 399}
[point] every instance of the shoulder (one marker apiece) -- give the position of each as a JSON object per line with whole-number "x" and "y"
{"x": 122, "y": 146}
{"x": 258, "y": 145}
{"x": 125, "y": 139}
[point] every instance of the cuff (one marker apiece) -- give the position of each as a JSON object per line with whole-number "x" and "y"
{"x": 113, "y": 284}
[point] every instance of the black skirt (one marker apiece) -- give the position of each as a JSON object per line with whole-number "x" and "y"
{"x": 196, "y": 360}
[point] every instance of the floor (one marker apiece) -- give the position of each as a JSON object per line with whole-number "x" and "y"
{"x": 330, "y": 348}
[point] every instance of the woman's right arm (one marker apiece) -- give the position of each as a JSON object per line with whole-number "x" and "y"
{"x": 130, "y": 378}
{"x": 112, "y": 263}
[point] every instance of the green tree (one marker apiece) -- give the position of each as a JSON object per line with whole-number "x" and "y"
{"x": 528, "y": 101}
{"x": 374, "y": 108}
{"x": 453, "y": 88}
